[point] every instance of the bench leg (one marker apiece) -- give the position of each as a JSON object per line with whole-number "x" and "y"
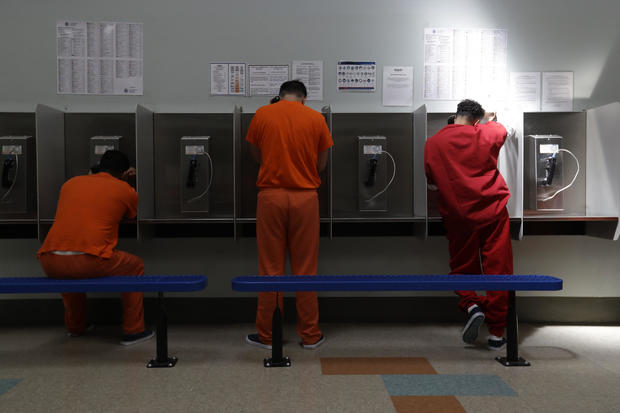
{"x": 162, "y": 360}
{"x": 276, "y": 359}
{"x": 512, "y": 336}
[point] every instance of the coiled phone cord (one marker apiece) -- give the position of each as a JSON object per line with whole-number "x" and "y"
{"x": 206, "y": 191}
{"x": 549, "y": 198}
{"x": 8, "y": 192}
{"x": 391, "y": 179}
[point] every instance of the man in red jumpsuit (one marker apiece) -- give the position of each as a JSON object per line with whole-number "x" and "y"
{"x": 461, "y": 163}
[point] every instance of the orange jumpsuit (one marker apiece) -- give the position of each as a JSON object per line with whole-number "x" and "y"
{"x": 88, "y": 214}
{"x": 290, "y": 137}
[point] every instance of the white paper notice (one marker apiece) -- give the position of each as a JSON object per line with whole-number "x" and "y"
{"x": 99, "y": 58}
{"x": 228, "y": 79}
{"x": 357, "y": 76}
{"x": 397, "y": 86}
{"x": 465, "y": 63}
{"x": 557, "y": 91}
{"x": 525, "y": 91}
{"x": 310, "y": 72}
{"x": 265, "y": 80}
{"x": 219, "y": 79}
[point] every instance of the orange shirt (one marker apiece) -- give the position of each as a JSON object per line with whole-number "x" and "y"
{"x": 90, "y": 207}
{"x": 290, "y": 137}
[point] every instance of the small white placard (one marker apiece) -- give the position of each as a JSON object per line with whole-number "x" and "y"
{"x": 11, "y": 149}
{"x": 372, "y": 149}
{"x": 194, "y": 149}
{"x": 101, "y": 149}
{"x": 549, "y": 148}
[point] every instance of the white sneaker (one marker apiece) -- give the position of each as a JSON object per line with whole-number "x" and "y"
{"x": 315, "y": 345}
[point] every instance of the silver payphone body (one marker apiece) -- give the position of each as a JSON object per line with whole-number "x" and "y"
{"x": 17, "y": 160}
{"x": 545, "y": 173}
{"x": 196, "y": 174}
{"x": 100, "y": 145}
{"x": 372, "y": 173}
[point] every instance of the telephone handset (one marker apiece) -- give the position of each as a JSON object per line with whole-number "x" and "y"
{"x": 192, "y": 177}
{"x": 7, "y": 166}
{"x": 550, "y": 164}
{"x": 372, "y": 171}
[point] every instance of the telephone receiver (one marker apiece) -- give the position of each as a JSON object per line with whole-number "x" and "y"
{"x": 550, "y": 165}
{"x": 191, "y": 175}
{"x": 8, "y": 164}
{"x": 372, "y": 171}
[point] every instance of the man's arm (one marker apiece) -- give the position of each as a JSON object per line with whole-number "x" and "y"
{"x": 255, "y": 151}
{"x": 322, "y": 160}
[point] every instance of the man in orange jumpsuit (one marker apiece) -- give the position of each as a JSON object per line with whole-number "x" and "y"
{"x": 82, "y": 241}
{"x": 461, "y": 163}
{"x": 291, "y": 142}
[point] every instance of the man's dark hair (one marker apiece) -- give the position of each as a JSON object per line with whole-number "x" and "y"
{"x": 470, "y": 109}
{"x": 293, "y": 87}
{"x": 114, "y": 162}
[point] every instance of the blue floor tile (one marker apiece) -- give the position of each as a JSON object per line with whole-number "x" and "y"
{"x": 446, "y": 385}
{"x": 7, "y": 384}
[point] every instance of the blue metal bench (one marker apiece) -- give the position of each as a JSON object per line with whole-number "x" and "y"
{"x": 510, "y": 283}
{"x": 118, "y": 284}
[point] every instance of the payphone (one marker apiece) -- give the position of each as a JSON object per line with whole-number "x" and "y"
{"x": 100, "y": 145}
{"x": 544, "y": 154}
{"x": 196, "y": 174}
{"x": 373, "y": 181}
{"x": 16, "y": 188}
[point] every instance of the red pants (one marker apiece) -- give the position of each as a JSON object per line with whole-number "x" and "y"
{"x": 90, "y": 266}
{"x": 489, "y": 246}
{"x": 288, "y": 219}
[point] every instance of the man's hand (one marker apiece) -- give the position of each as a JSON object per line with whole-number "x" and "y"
{"x": 129, "y": 176}
{"x": 490, "y": 116}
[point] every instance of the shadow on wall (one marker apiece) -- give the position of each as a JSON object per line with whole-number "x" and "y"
{"x": 607, "y": 88}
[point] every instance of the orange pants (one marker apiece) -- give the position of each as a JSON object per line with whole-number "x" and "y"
{"x": 90, "y": 266}
{"x": 288, "y": 218}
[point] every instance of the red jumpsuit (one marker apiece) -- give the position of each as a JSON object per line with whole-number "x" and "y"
{"x": 461, "y": 161}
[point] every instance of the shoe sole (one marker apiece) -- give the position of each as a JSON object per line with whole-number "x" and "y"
{"x": 255, "y": 344}
{"x": 503, "y": 346}
{"x": 140, "y": 340}
{"x": 313, "y": 346}
{"x": 470, "y": 331}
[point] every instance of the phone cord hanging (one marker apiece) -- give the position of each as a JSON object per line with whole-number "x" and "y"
{"x": 206, "y": 191}
{"x": 8, "y": 192}
{"x": 549, "y": 198}
{"x": 391, "y": 179}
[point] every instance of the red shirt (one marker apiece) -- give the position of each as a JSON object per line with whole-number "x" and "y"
{"x": 290, "y": 137}
{"x": 461, "y": 160}
{"x": 90, "y": 207}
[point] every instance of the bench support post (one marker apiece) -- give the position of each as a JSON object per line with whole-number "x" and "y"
{"x": 512, "y": 358}
{"x": 162, "y": 360}
{"x": 276, "y": 359}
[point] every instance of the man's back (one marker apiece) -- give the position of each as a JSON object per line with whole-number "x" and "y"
{"x": 290, "y": 136}
{"x": 89, "y": 211}
{"x": 461, "y": 160}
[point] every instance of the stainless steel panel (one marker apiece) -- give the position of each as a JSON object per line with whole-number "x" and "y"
{"x": 145, "y": 174}
{"x": 80, "y": 127}
{"x": 572, "y": 127}
{"x": 21, "y": 124}
{"x": 196, "y": 174}
{"x": 169, "y": 129}
{"x": 249, "y": 174}
{"x": 398, "y": 129}
{"x": 544, "y": 172}
{"x": 372, "y": 177}
{"x": 17, "y": 159}
{"x": 435, "y": 122}
{"x": 50, "y": 145}
{"x": 100, "y": 145}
